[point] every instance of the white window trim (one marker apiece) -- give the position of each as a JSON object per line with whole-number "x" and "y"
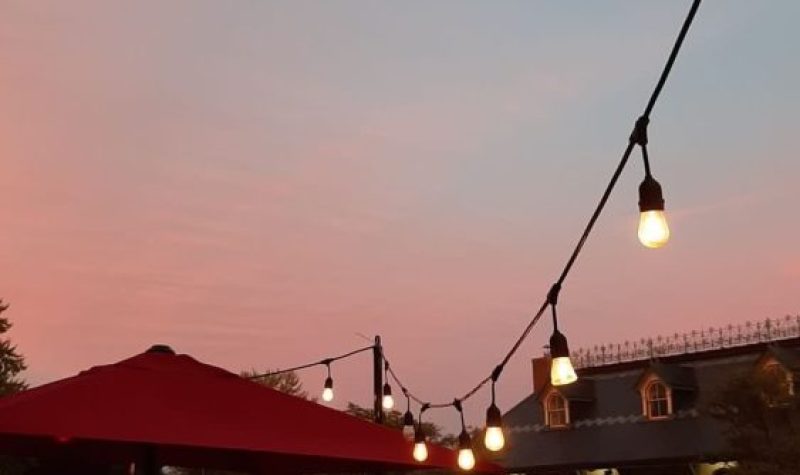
{"x": 772, "y": 362}
{"x": 646, "y": 403}
{"x": 546, "y": 401}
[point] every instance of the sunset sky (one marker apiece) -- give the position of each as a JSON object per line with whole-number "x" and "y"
{"x": 259, "y": 183}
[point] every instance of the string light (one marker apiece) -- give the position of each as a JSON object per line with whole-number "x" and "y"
{"x": 420, "y": 452}
{"x": 408, "y": 419}
{"x": 653, "y": 232}
{"x": 494, "y": 439}
{"x": 466, "y": 457}
{"x": 327, "y": 391}
{"x": 387, "y": 401}
{"x": 561, "y": 370}
{"x": 653, "y": 229}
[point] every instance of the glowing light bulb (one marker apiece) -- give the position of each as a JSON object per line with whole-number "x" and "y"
{"x": 466, "y": 459}
{"x": 653, "y": 229}
{"x": 420, "y": 451}
{"x": 327, "y": 393}
{"x": 494, "y": 439}
{"x": 562, "y": 372}
{"x": 388, "y": 401}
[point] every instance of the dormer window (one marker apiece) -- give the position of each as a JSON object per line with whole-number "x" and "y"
{"x": 658, "y": 401}
{"x": 665, "y": 389}
{"x": 563, "y": 405}
{"x": 556, "y": 410}
{"x": 776, "y": 372}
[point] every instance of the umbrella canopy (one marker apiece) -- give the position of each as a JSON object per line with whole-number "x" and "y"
{"x": 166, "y": 409}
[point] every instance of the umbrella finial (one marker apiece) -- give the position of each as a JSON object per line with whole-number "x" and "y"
{"x": 165, "y": 349}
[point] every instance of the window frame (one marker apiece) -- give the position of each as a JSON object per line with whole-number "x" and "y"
{"x": 647, "y": 401}
{"x": 777, "y": 369}
{"x": 554, "y": 395}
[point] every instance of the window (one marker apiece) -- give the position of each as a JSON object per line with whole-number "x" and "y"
{"x": 557, "y": 410}
{"x": 778, "y": 384}
{"x": 657, "y": 403}
{"x": 774, "y": 371}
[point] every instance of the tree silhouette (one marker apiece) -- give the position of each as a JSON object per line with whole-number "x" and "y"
{"x": 11, "y": 362}
{"x": 288, "y": 383}
{"x": 762, "y": 416}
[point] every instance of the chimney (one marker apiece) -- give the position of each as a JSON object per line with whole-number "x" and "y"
{"x": 541, "y": 372}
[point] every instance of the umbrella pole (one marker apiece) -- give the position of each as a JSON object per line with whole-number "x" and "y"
{"x": 150, "y": 465}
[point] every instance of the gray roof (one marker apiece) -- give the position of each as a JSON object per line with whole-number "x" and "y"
{"x": 609, "y": 430}
{"x": 789, "y": 358}
{"x": 580, "y": 390}
{"x": 675, "y": 376}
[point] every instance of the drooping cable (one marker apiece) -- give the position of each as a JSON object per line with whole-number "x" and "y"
{"x": 634, "y": 139}
{"x": 322, "y": 362}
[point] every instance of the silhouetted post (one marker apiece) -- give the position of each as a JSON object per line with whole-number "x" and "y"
{"x": 377, "y": 356}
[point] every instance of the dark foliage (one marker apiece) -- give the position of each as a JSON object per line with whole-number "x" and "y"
{"x": 762, "y": 416}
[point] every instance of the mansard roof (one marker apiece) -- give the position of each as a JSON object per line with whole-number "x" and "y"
{"x": 612, "y": 431}
{"x": 673, "y": 375}
{"x": 789, "y": 358}
{"x": 581, "y": 390}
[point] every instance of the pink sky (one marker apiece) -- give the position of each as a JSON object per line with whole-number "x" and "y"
{"x": 257, "y": 184}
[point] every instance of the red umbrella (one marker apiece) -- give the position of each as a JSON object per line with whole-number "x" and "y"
{"x": 160, "y": 408}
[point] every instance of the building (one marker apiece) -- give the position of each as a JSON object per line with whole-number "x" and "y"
{"x": 639, "y": 408}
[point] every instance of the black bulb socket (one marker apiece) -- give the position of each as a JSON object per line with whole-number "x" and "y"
{"x": 328, "y": 383}
{"x": 558, "y": 345}
{"x": 493, "y": 417}
{"x": 650, "y": 195}
{"x": 419, "y": 435}
{"x": 408, "y": 419}
{"x": 387, "y": 390}
{"x": 464, "y": 440}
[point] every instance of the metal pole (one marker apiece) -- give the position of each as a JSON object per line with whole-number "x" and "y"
{"x": 149, "y": 461}
{"x": 377, "y": 356}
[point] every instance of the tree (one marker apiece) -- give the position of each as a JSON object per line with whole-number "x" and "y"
{"x": 288, "y": 383}
{"x": 762, "y": 418}
{"x": 394, "y": 419}
{"x": 11, "y": 362}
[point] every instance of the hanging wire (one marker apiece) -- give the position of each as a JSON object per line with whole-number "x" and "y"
{"x": 323, "y": 362}
{"x": 638, "y": 136}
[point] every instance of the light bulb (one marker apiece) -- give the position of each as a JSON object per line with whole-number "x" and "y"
{"x": 562, "y": 372}
{"x": 653, "y": 229}
{"x": 408, "y": 425}
{"x": 408, "y": 432}
{"x": 494, "y": 439}
{"x": 420, "y": 451}
{"x": 327, "y": 394}
{"x": 388, "y": 401}
{"x": 466, "y": 459}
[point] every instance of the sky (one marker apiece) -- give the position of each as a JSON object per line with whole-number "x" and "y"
{"x": 264, "y": 184}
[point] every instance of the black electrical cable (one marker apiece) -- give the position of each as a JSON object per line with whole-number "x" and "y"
{"x": 326, "y": 362}
{"x": 638, "y": 136}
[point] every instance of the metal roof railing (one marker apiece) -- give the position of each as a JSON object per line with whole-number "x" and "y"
{"x": 695, "y": 341}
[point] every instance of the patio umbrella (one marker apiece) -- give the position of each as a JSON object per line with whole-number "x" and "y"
{"x": 159, "y": 408}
